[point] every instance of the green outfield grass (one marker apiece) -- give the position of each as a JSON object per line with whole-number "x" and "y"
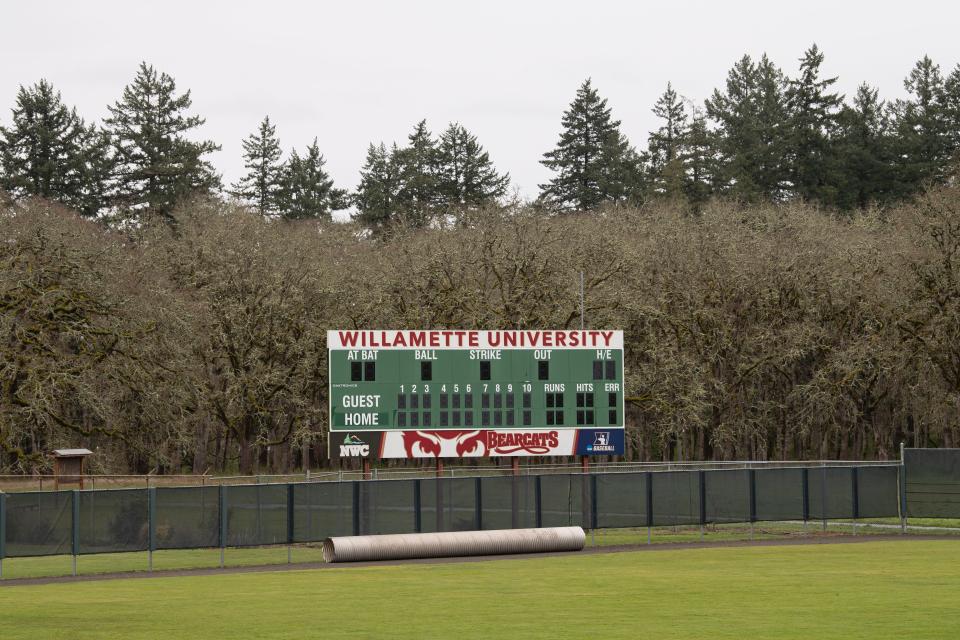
{"x": 871, "y": 590}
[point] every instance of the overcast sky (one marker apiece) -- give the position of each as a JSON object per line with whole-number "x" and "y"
{"x": 353, "y": 72}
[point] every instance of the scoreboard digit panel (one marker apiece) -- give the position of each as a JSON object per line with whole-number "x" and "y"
{"x": 451, "y": 393}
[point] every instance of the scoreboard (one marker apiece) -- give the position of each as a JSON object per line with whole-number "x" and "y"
{"x": 459, "y": 393}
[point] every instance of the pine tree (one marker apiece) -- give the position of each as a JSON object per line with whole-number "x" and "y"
{"x": 96, "y": 172}
{"x": 378, "y": 192}
{"x": 308, "y": 190}
{"x": 810, "y": 126}
{"x": 951, "y": 104}
{"x": 593, "y": 160}
{"x": 417, "y": 164}
{"x": 262, "y": 184}
{"x": 465, "y": 174}
{"x": 865, "y": 173}
{"x": 698, "y": 161}
{"x": 923, "y": 141}
{"x": 750, "y": 115}
{"x": 50, "y": 152}
{"x": 157, "y": 164}
{"x": 665, "y": 147}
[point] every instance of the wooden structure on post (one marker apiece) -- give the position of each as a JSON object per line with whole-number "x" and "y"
{"x": 68, "y": 466}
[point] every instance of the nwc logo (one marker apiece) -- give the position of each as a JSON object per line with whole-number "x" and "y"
{"x": 354, "y": 446}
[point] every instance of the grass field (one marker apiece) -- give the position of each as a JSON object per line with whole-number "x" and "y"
{"x": 908, "y": 589}
{"x": 52, "y": 566}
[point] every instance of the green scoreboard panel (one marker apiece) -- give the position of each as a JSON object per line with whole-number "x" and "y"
{"x": 451, "y": 393}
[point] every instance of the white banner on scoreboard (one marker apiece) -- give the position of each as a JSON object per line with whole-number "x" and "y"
{"x": 463, "y": 339}
{"x": 478, "y": 444}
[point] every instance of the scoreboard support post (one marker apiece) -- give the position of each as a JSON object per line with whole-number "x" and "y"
{"x": 439, "y": 467}
{"x": 367, "y": 474}
{"x": 585, "y": 464}
{"x": 515, "y": 465}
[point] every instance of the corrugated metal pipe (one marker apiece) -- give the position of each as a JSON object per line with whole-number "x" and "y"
{"x": 452, "y": 543}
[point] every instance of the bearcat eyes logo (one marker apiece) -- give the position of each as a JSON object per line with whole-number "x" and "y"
{"x": 601, "y": 442}
{"x": 354, "y": 446}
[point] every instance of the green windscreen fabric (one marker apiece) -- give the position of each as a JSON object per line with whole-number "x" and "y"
{"x": 39, "y": 523}
{"x": 932, "y": 482}
{"x": 322, "y": 510}
{"x": 187, "y": 517}
{"x": 676, "y": 498}
{"x": 448, "y": 504}
{"x": 621, "y": 500}
{"x": 565, "y": 501}
{"x": 508, "y": 502}
{"x": 779, "y": 494}
{"x": 113, "y": 521}
{"x": 830, "y": 491}
{"x": 877, "y": 491}
{"x": 727, "y": 495}
{"x": 256, "y": 514}
{"x": 387, "y": 506}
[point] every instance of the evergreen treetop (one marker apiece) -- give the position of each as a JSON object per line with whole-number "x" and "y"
{"x": 465, "y": 174}
{"x": 157, "y": 164}
{"x": 593, "y": 161}
{"x": 417, "y": 167}
{"x": 50, "y": 152}
{"x": 750, "y": 116}
{"x": 376, "y": 195}
{"x": 308, "y": 191}
{"x": 811, "y": 123}
{"x": 262, "y": 185}
{"x": 665, "y": 148}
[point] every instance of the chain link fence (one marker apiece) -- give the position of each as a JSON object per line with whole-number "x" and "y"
{"x": 103, "y": 521}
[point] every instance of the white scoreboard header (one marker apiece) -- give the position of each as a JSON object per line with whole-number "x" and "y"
{"x": 465, "y": 339}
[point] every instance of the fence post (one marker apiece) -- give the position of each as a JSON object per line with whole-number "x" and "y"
{"x": 439, "y": 498}
{"x": 289, "y": 520}
{"x": 594, "y": 517}
{"x": 823, "y": 495}
{"x": 222, "y": 529}
{"x": 417, "y": 514}
{"x": 538, "y": 501}
{"x": 3, "y": 530}
{"x": 151, "y": 526}
{"x": 649, "y": 477}
{"x": 356, "y": 507}
{"x": 805, "y": 480}
{"x": 75, "y": 527}
{"x": 702, "y": 482}
{"x": 902, "y": 477}
{"x": 752, "y": 475}
{"x": 855, "y": 479}
{"x": 478, "y": 503}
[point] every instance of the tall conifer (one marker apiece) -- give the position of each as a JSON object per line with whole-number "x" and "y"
{"x": 864, "y": 165}
{"x": 811, "y": 124}
{"x": 308, "y": 190}
{"x": 417, "y": 167}
{"x": 157, "y": 163}
{"x": 262, "y": 185}
{"x": 750, "y": 114}
{"x": 665, "y": 148}
{"x": 465, "y": 174}
{"x": 49, "y": 151}
{"x": 923, "y": 139}
{"x": 593, "y": 161}
{"x": 378, "y": 192}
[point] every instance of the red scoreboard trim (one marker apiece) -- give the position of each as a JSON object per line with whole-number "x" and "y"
{"x": 462, "y": 339}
